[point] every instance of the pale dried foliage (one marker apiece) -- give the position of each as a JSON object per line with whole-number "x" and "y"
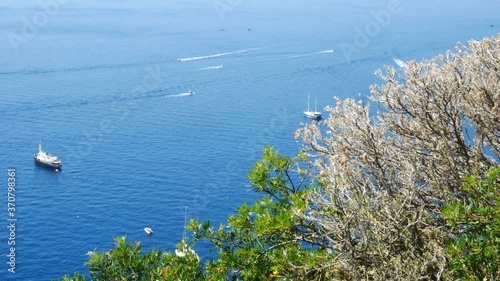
{"x": 383, "y": 178}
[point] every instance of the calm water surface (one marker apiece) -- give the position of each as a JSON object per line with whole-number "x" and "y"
{"x": 101, "y": 84}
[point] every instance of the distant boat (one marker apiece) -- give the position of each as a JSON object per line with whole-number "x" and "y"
{"x": 312, "y": 114}
{"x": 46, "y": 159}
{"x": 190, "y": 93}
{"x": 185, "y": 249}
{"x": 148, "y": 230}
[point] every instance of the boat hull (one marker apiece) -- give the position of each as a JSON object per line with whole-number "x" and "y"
{"x": 148, "y": 230}
{"x": 46, "y": 164}
{"x": 312, "y": 115}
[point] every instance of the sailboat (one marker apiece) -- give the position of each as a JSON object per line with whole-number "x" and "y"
{"x": 312, "y": 114}
{"x": 185, "y": 250}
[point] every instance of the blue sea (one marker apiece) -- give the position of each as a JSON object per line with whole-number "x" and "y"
{"x": 102, "y": 84}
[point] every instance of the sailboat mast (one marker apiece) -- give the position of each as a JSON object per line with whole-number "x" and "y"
{"x": 184, "y": 232}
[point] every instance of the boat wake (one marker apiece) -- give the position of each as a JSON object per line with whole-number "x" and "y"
{"x": 211, "y": 67}
{"x": 179, "y": 95}
{"x": 75, "y": 69}
{"x": 214, "y": 56}
{"x": 160, "y": 93}
{"x": 315, "y": 53}
{"x": 399, "y": 62}
{"x": 326, "y": 52}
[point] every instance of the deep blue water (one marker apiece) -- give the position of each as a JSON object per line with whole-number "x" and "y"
{"x": 100, "y": 84}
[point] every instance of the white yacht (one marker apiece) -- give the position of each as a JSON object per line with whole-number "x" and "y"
{"x": 312, "y": 114}
{"x": 46, "y": 159}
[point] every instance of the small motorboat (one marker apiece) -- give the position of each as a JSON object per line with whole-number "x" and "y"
{"x": 190, "y": 93}
{"x": 148, "y": 230}
{"x": 44, "y": 158}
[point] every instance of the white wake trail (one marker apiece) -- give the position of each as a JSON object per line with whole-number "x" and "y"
{"x": 179, "y": 95}
{"x": 213, "y": 56}
{"x": 315, "y": 53}
{"x": 326, "y": 52}
{"x": 211, "y": 67}
{"x": 399, "y": 62}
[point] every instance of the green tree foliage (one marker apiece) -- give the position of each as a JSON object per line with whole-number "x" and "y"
{"x": 267, "y": 240}
{"x": 127, "y": 262}
{"x": 474, "y": 249}
{"x": 76, "y": 277}
{"x": 369, "y": 204}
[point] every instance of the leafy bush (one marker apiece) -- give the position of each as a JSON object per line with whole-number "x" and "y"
{"x": 474, "y": 248}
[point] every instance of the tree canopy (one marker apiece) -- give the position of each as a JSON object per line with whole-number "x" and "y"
{"x": 405, "y": 194}
{"x": 474, "y": 244}
{"x": 385, "y": 178}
